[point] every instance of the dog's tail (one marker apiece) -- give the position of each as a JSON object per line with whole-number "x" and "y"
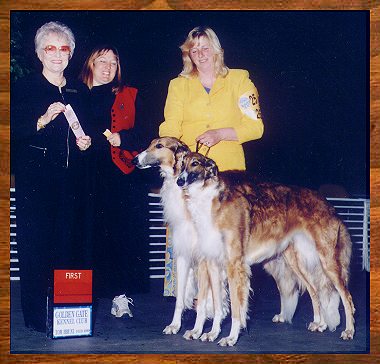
{"x": 344, "y": 251}
{"x": 329, "y": 299}
{"x": 329, "y": 296}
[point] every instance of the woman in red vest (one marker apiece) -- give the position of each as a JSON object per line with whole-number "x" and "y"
{"x": 120, "y": 222}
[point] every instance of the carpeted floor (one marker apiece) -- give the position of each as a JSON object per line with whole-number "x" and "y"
{"x": 152, "y": 312}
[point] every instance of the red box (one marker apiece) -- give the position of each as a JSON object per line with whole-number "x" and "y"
{"x": 72, "y": 286}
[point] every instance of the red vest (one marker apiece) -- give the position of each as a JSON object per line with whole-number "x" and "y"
{"x": 123, "y": 117}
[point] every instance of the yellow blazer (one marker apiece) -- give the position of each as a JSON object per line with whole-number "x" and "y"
{"x": 232, "y": 103}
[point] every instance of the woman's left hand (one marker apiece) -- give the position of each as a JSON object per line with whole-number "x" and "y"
{"x": 209, "y": 138}
{"x": 214, "y": 136}
{"x": 84, "y": 142}
{"x": 114, "y": 139}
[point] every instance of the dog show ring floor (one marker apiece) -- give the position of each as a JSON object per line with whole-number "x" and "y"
{"x": 152, "y": 312}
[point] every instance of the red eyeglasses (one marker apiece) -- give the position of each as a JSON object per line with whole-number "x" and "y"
{"x": 52, "y": 50}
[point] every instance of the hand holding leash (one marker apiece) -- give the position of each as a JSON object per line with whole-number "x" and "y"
{"x": 214, "y": 136}
{"x": 197, "y": 148}
{"x": 209, "y": 138}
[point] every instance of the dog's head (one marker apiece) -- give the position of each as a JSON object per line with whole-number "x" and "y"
{"x": 166, "y": 153}
{"x": 196, "y": 168}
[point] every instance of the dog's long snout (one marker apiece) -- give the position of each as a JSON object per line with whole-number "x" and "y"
{"x": 140, "y": 161}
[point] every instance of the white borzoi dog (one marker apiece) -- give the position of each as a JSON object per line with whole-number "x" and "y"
{"x": 240, "y": 223}
{"x": 167, "y": 153}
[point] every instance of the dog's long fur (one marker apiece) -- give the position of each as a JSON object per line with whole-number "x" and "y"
{"x": 167, "y": 153}
{"x": 293, "y": 230}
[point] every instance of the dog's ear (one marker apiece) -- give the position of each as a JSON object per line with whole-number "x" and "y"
{"x": 178, "y": 147}
{"x": 180, "y": 152}
{"x": 182, "y": 149}
{"x": 211, "y": 168}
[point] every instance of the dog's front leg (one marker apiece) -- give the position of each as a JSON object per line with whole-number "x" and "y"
{"x": 235, "y": 310}
{"x": 217, "y": 286}
{"x": 203, "y": 288}
{"x": 183, "y": 266}
{"x": 238, "y": 280}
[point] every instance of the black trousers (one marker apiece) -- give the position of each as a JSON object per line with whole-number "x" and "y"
{"x": 52, "y": 216}
{"x": 120, "y": 233}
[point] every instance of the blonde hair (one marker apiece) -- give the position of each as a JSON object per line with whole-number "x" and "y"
{"x": 189, "y": 68}
{"x": 87, "y": 74}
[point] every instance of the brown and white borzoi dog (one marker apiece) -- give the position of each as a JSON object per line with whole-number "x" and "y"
{"x": 240, "y": 223}
{"x": 167, "y": 153}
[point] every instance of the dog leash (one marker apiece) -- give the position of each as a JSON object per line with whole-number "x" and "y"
{"x": 197, "y": 148}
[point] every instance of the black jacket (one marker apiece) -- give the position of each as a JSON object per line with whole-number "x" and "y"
{"x": 30, "y": 98}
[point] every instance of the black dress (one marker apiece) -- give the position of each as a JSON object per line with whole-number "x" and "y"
{"x": 120, "y": 225}
{"x": 52, "y": 183}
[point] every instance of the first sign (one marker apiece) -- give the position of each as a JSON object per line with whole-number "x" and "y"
{"x": 72, "y": 286}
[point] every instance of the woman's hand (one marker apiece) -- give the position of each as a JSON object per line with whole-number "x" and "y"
{"x": 214, "y": 136}
{"x": 114, "y": 139}
{"x": 84, "y": 142}
{"x": 51, "y": 113}
{"x": 53, "y": 110}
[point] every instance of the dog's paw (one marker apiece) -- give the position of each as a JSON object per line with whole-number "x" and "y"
{"x": 210, "y": 336}
{"x": 171, "y": 329}
{"x": 313, "y": 326}
{"x": 228, "y": 341}
{"x": 278, "y": 318}
{"x": 192, "y": 334}
{"x": 347, "y": 334}
{"x": 317, "y": 326}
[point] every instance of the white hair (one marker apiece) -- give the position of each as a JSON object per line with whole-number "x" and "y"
{"x": 57, "y": 28}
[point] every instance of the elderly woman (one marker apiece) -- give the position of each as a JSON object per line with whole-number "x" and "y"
{"x": 120, "y": 222}
{"x": 50, "y": 165}
{"x": 212, "y": 104}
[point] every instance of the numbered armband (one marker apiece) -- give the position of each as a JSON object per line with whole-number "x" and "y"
{"x": 249, "y": 104}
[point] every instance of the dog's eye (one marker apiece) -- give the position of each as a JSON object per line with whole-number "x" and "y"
{"x": 195, "y": 163}
{"x": 159, "y": 146}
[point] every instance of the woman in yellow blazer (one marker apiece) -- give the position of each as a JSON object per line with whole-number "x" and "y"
{"x": 211, "y": 104}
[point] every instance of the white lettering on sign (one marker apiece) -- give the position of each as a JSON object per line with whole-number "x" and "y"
{"x": 73, "y": 275}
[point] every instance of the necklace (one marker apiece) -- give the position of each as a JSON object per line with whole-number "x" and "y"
{"x": 51, "y": 79}
{"x": 63, "y": 83}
